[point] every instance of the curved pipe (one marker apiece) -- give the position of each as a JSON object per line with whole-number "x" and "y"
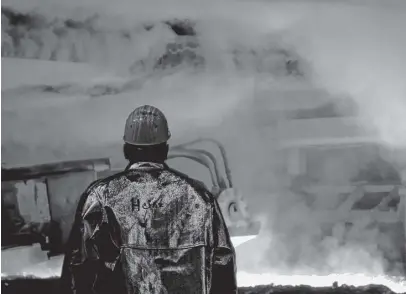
{"x": 198, "y": 159}
{"x": 223, "y": 154}
{"x": 220, "y": 181}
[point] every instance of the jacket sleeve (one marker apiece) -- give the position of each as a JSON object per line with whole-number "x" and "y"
{"x": 224, "y": 279}
{"x": 81, "y": 262}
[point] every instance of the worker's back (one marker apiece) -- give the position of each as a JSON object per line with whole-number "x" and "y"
{"x": 152, "y": 230}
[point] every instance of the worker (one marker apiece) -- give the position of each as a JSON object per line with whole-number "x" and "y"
{"x": 148, "y": 229}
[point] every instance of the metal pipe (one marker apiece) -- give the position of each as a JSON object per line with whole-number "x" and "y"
{"x": 223, "y": 153}
{"x": 197, "y": 159}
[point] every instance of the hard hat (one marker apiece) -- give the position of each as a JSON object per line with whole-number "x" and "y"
{"x": 146, "y": 125}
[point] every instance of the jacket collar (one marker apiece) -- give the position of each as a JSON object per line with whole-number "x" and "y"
{"x": 145, "y": 165}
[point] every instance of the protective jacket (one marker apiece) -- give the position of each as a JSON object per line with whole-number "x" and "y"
{"x": 149, "y": 230}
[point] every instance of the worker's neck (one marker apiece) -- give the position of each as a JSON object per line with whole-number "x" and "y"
{"x": 160, "y": 161}
{"x": 142, "y": 162}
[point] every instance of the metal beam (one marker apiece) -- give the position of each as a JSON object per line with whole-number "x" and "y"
{"x": 57, "y": 168}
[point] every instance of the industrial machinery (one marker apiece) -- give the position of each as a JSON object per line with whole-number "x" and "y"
{"x": 352, "y": 184}
{"x": 39, "y": 202}
{"x": 241, "y": 225}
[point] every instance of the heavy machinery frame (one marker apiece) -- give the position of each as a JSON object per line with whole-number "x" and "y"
{"x": 378, "y": 204}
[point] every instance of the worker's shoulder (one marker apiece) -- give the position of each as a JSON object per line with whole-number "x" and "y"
{"x": 95, "y": 190}
{"x": 193, "y": 182}
{"x": 103, "y": 182}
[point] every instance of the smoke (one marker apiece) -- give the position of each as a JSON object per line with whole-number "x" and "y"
{"x": 346, "y": 50}
{"x": 125, "y": 54}
{"x": 358, "y": 52}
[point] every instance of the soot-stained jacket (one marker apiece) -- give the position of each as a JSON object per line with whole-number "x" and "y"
{"x": 149, "y": 230}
